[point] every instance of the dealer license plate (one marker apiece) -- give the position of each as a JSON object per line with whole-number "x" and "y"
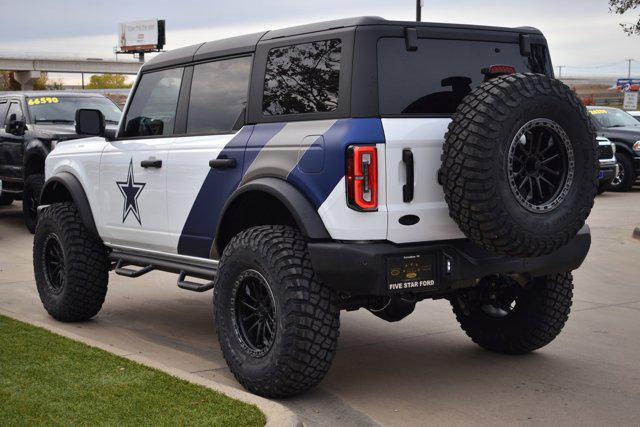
{"x": 411, "y": 273}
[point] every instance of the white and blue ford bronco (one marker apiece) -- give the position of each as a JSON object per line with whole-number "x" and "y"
{"x": 359, "y": 163}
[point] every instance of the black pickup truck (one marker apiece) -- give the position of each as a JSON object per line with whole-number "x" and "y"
{"x": 623, "y": 130}
{"x": 32, "y": 124}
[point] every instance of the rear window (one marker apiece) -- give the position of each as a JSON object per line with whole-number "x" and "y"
{"x": 440, "y": 73}
{"x": 302, "y": 78}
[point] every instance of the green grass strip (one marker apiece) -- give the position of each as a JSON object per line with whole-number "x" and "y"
{"x": 46, "y": 379}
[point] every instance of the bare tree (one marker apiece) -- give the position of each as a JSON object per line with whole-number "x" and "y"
{"x": 621, "y": 7}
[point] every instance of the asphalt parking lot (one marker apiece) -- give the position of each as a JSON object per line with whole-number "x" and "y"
{"x": 421, "y": 370}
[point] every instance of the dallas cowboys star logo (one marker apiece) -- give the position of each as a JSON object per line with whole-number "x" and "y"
{"x": 130, "y": 190}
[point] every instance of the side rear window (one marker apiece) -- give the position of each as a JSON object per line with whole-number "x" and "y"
{"x": 302, "y": 78}
{"x": 218, "y": 95}
{"x": 436, "y": 77}
{"x": 153, "y": 108}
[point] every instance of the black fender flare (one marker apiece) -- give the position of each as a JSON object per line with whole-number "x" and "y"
{"x": 304, "y": 213}
{"x": 57, "y": 187}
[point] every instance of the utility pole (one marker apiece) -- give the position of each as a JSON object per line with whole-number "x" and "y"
{"x": 630, "y": 60}
{"x": 560, "y": 67}
{"x": 419, "y": 4}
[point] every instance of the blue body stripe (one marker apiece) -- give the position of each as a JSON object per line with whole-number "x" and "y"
{"x": 199, "y": 230}
{"x": 345, "y": 132}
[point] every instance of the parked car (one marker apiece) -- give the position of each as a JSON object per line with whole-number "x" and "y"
{"x": 358, "y": 163}
{"x": 635, "y": 114}
{"x": 624, "y": 131}
{"x": 33, "y": 123}
{"x": 608, "y": 163}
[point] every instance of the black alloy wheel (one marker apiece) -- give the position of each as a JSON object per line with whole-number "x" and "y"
{"x": 53, "y": 260}
{"x": 499, "y": 297}
{"x": 276, "y": 321}
{"x": 511, "y": 317}
{"x": 255, "y": 312}
{"x": 70, "y": 265}
{"x": 618, "y": 180}
{"x": 540, "y": 165}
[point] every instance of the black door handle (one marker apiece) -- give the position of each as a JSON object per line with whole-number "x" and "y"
{"x": 222, "y": 163}
{"x": 407, "y": 189}
{"x": 151, "y": 163}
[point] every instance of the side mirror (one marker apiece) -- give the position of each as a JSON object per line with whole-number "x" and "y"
{"x": 90, "y": 122}
{"x": 15, "y": 126}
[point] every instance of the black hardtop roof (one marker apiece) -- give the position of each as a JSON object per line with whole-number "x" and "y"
{"x": 56, "y": 93}
{"x": 247, "y": 43}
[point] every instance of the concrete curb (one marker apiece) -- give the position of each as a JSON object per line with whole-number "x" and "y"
{"x": 276, "y": 414}
{"x": 636, "y": 233}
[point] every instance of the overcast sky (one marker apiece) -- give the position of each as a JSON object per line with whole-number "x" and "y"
{"x": 582, "y": 34}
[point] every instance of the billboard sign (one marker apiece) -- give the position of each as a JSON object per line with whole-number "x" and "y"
{"x": 628, "y": 85}
{"x": 141, "y": 36}
{"x": 630, "y": 101}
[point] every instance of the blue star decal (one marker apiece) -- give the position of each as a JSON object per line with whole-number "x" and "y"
{"x": 130, "y": 190}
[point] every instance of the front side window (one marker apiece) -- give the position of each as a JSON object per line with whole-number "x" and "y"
{"x": 302, "y": 78}
{"x": 218, "y": 95}
{"x": 62, "y": 109}
{"x": 16, "y": 109}
{"x": 153, "y": 108}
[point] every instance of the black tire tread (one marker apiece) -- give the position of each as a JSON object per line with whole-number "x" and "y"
{"x": 548, "y": 311}
{"x": 5, "y": 199}
{"x": 469, "y": 190}
{"x": 33, "y": 183}
{"x": 86, "y": 265}
{"x": 312, "y": 316}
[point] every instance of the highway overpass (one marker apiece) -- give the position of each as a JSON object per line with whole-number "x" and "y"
{"x": 27, "y": 69}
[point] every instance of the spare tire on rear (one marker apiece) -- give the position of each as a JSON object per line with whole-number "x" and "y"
{"x": 520, "y": 166}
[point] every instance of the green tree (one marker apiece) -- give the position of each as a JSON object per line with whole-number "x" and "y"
{"x": 621, "y": 7}
{"x": 55, "y": 85}
{"x": 7, "y": 82}
{"x": 108, "y": 81}
{"x": 42, "y": 82}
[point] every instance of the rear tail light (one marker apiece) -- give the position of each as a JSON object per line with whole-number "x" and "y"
{"x": 502, "y": 69}
{"x": 497, "y": 70}
{"x": 362, "y": 177}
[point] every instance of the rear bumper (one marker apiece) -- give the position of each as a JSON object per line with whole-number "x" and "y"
{"x": 357, "y": 269}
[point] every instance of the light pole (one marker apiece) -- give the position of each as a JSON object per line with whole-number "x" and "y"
{"x": 629, "y": 61}
{"x": 419, "y": 4}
